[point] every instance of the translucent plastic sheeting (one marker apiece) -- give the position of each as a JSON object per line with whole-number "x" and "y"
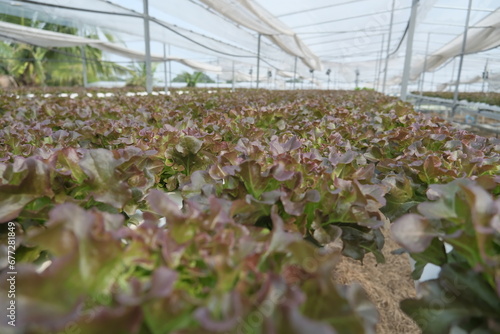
{"x": 217, "y": 25}
{"x": 286, "y": 74}
{"x": 40, "y": 37}
{"x": 45, "y": 38}
{"x": 346, "y": 35}
{"x": 493, "y": 82}
{"x": 124, "y": 21}
{"x": 483, "y": 35}
{"x": 240, "y": 76}
{"x": 350, "y": 33}
{"x": 115, "y": 18}
{"x": 253, "y": 16}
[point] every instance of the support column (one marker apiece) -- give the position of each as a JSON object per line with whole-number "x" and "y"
{"x": 409, "y": 50}
{"x": 84, "y": 66}
{"x": 84, "y": 61}
{"x": 422, "y": 81}
{"x": 294, "y": 73}
{"x": 217, "y": 77}
{"x": 485, "y": 75}
{"x": 165, "y": 69}
{"x": 388, "y": 47}
{"x": 169, "y": 68}
{"x": 464, "y": 42}
{"x": 378, "y": 66}
{"x": 147, "y": 41}
{"x": 258, "y": 60}
{"x": 452, "y": 73}
{"x": 232, "y": 88}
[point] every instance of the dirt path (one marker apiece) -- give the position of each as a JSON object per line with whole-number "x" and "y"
{"x": 386, "y": 284}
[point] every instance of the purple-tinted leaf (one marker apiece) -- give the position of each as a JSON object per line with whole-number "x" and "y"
{"x": 250, "y": 174}
{"x": 162, "y": 282}
{"x": 230, "y": 321}
{"x": 188, "y": 145}
{"x": 100, "y": 167}
{"x": 413, "y": 232}
{"x": 280, "y": 173}
{"x": 292, "y": 144}
{"x": 34, "y": 182}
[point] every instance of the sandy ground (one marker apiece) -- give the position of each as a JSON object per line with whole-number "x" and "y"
{"x": 386, "y": 284}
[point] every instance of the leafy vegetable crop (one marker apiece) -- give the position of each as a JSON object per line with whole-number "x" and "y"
{"x": 275, "y": 187}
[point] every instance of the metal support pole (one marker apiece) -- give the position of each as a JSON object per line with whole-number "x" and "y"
{"x": 294, "y": 73}
{"x": 232, "y": 88}
{"x": 217, "y": 77}
{"x": 388, "y": 47}
{"x": 464, "y": 42}
{"x": 432, "y": 80}
{"x": 258, "y": 60}
{"x": 378, "y": 66}
{"x": 485, "y": 75}
{"x": 165, "y": 64}
{"x": 149, "y": 77}
{"x": 328, "y": 72}
{"x": 422, "y": 81}
{"x": 357, "y": 78}
{"x": 84, "y": 66}
{"x": 84, "y": 61}
{"x": 409, "y": 50}
{"x": 169, "y": 68}
{"x": 452, "y": 72}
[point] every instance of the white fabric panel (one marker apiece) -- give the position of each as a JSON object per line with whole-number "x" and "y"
{"x": 128, "y": 25}
{"x": 40, "y": 37}
{"x": 218, "y": 25}
{"x": 484, "y": 35}
{"x": 493, "y": 82}
{"x": 241, "y": 76}
{"x": 266, "y": 17}
{"x": 255, "y": 17}
{"x": 123, "y": 51}
{"x": 203, "y": 67}
{"x": 240, "y": 14}
{"x": 47, "y": 38}
{"x": 345, "y": 35}
{"x": 286, "y": 74}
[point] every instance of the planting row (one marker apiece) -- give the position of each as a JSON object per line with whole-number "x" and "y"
{"x": 275, "y": 187}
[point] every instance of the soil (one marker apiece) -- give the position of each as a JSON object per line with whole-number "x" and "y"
{"x": 386, "y": 284}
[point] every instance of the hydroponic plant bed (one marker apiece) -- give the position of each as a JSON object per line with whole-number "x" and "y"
{"x": 276, "y": 187}
{"x": 490, "y": 98}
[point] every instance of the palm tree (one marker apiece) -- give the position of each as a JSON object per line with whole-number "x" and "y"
{"x": 28, "y": 68}
{"x": 139, "y": 74}
{"x": 192, "y": 79}
{"x": 33, "y": 65}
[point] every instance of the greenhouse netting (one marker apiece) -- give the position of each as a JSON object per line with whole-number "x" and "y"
{"x": 331, "y": 44}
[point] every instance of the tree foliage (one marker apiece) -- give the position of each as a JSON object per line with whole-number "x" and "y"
{"x": 193, "y": 79}
{"x": 38, "y": 66}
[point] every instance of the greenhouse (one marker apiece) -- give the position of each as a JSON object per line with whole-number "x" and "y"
{"x": 249, "y": 166}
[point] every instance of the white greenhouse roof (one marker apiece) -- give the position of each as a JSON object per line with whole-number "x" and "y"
{"x": 341, "y": 35}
